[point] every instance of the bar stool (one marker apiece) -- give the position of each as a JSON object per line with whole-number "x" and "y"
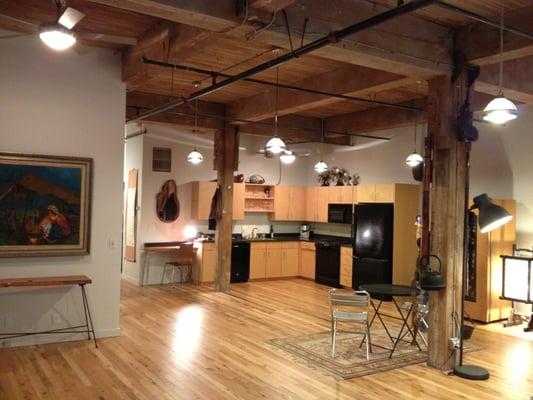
{"x": 183, "y": 263}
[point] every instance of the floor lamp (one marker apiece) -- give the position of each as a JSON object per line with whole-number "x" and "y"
{"x": 490, "y": 217}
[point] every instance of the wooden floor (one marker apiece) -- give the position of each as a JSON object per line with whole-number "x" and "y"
{"x": 188, "y": 342}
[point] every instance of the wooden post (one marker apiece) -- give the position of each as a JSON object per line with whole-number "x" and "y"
{"x": 226, "y": 161}
{"x": 447, "y": 214}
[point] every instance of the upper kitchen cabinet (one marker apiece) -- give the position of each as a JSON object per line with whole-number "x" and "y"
{"x": 289, "y": 203}
{"x": 340, "y": 194}
{"x": 202, "y": 192}
{"x": 259, "y": 198}
{"x": 317, "y": 204}
{"x": 376, "y": 193}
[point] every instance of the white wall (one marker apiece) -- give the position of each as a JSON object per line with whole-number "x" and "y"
{"x": 69, "y": 105}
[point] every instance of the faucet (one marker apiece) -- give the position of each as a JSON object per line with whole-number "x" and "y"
{"x": 254, "y": 232}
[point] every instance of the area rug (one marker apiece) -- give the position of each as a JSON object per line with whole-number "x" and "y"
{"x": 314, "y": 350}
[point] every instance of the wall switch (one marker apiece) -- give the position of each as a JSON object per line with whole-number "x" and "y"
{"x": 112, "y": 243}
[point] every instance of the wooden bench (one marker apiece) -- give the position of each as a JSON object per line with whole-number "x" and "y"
{"x": 47, "y": 281}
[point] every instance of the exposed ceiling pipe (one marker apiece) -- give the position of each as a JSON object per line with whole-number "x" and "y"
{"x": 282, "y": 85}
{"x": 333, "y": 37}
{"x": 480, "y": 18}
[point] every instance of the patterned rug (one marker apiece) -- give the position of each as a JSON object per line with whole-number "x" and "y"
{"x": 350, "y": 361}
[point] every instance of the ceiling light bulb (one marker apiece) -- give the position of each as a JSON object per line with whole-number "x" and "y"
{"x": 500, "y": 110}
{"x": 414, "y": 159}
{"x": 287, "y": 157}
{"x": 275, "y": 145}
{"x": 195, "y": 157}
{"x": 57, "y": 37}
{"x": 320, "y": 167}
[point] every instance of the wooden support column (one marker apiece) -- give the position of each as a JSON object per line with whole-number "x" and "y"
{"x": 226, "y": 161}
{"x": 447, "y": 213}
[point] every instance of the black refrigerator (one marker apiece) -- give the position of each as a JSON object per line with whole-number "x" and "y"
{"x": 372, "y": 233}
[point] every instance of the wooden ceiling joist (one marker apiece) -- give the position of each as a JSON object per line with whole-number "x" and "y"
{"x": 271, "y": 5}
{"x": 350, "y": 80}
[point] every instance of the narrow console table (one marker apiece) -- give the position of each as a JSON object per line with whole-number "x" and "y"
{"x": 80, "y": 280}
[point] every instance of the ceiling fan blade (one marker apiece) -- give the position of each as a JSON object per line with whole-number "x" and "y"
{"x": 16, "y": 35}
{"x": 70, "y": 17}
{"x": 17, "y": 25}
{"x": 102, "y": 37}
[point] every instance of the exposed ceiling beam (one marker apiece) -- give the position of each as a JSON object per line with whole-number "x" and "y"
{"x": 350, "y": 80}
{"x": 481, "y": 43}
{"x": 271, "y": 5}
{"x": 422, "y": 49}
{"x": 517, "y": 79}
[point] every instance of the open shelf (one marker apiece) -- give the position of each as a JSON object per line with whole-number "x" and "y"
{"x": 258, "y": 198}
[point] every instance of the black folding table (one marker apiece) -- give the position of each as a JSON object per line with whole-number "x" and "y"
{"x": 387, "y": 292}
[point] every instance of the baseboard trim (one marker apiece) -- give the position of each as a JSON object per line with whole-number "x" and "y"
{"x": 59, "y": 338}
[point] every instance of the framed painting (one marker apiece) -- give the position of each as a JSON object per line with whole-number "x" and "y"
{"x": 45, "y": 204}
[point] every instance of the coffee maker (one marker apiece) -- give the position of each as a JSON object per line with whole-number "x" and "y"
{"x": 305, "y": 230}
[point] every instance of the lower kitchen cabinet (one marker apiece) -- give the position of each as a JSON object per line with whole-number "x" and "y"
{"x": 307, "y": 260}
{"x": 257, "y": 260}
{"x": 273, "y": 260}
{"x": 207, "y": 263}
{"x": 346, "y": 267}
{"x": 289, "y": 258}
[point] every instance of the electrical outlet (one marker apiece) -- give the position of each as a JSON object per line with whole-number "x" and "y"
{"x": 454, "y": 343}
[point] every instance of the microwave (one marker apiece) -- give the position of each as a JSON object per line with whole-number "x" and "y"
{"x": 340, "y": 213}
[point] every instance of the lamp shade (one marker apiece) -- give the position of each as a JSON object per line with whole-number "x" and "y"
{"x": 56, "y": 36}
{"x": 320, "y": 167}
{"x": 275, "y": 145}
{"x": 491, "y": 216}
{"x": 287, "y": 157}
{"x": 500, "y": 110}
{"x": 414, "y": 159}
{"x": 517, "y": 279}
{"x": 195, "y": 157}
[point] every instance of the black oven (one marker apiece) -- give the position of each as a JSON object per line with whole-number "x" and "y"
{"x": 340, "y": 213}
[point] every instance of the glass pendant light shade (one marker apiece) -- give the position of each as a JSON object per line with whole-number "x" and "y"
{"x": 275, "y": 145}
{"x": 56, "y": 36}
{"x": 195, "y": 157}
{"x": 287, "y": 157}
{"x": 500, "y": 110}
{"x": 320, "y": 167}
{"x": 414, "y": 159}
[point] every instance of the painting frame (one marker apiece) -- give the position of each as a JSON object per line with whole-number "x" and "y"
{"x": 62, "y": 185}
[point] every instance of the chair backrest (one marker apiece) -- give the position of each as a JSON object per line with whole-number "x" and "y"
{"x": 185, "y": 254}
{"x": 357, "y": 299}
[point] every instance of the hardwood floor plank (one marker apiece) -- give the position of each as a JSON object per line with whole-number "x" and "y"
{"x": 188, "y": 342}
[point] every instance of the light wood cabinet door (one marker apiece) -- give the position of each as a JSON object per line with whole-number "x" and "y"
{"x": 384, "y": 193}
{"x": 311, "y": 204}
{"x": 289, "y": 262}
{"x": 273, "y": 262}
{"x": 258, "y": 259}
{"x": 334, "y": 194}
{"x": 346, "y": 266}
{"x": 238, "y": 201}
{"x": 307, "y": 263}
{"x": 201, "y": 195}
{"x": 207, "y": 272}
{"x": 297, "y": 203}
{"x": 322, "y": 204}
{"x": 366, "y": 193}
{"x": 281, "y": 203}
{"x": 346, "y": 194}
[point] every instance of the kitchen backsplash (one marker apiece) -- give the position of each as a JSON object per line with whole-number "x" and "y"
{"x": 332, "y": 229}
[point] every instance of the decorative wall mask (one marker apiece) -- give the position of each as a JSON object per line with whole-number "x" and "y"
{"x": 168, "y": 205}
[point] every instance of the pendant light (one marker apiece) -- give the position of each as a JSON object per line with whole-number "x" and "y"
{"x": 287, "y": 157}
{"x": 414, "y": 159}
{"x": 275, "y": 145}
{"x": 195, "y": 157}
{"x": 321, "y": 166}
{"x": 500, "y": 109}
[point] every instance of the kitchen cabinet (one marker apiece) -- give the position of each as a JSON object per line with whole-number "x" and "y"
{"x": 273, "y": 260}
{"x": 281, "y": 203}
{"x": 340, "y": 195}
{"x": 207, "y": 263}
{"x": 289, "y": 259}
{"x": 258, "y": 198}
{"x": 307, "y": 260}
{"x": 311, "y": 204}
{"x": 297, "y": 203}
{"x": 376, "y": 193}
{"x": 202, "y": 194}
{"x": 346, "y": 266}
{"x": 317, "y": 204}
{"x": 258, "y": 259}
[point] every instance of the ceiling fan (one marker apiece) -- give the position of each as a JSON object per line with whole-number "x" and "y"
{"x": 59, "y": 35}
{"x": 287, "y": 156}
